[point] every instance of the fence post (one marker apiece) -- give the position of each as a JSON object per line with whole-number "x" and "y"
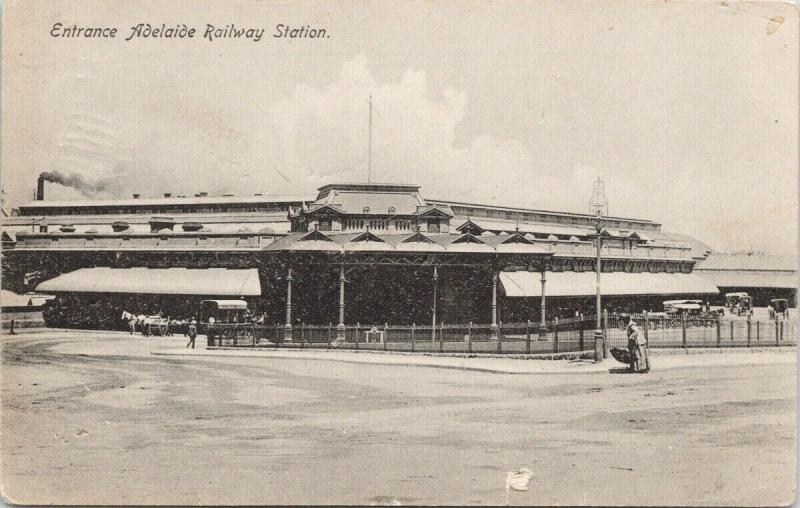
{"x": 302, "y": 335}
{"x": 329, "y": 335}
{"x": 254, "y": 334}
{"x": 441, "y": 337}
{"x": 683, "y": 331}
{"x": 646, "y": 326}
{"x": 605, "y": 333}
{"x": 719, "y": 332}
{"x": 528, "y": 336}
{"x": 500, "y": 338}
{"x": 781, "y": 322}
{"x": 758, "y": 331}
{"x": 413, "y": 336}
{"x": 385, "y": 334}
{"x": 580, "y": 332}
{"x": 12, "y": 332}
{"x": 555, "y": 334}
{"x": 469, "y": 337}
{"x": 749, "y": 332}
{"x": 777, "y": 337}
{"x": 235, "y": 334}
{"x": 358, "y": 325}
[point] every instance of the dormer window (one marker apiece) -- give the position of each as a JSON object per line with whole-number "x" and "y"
{"x": 365, "y": 209}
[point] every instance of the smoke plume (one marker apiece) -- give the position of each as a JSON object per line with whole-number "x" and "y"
{"x": 77, "y": 182}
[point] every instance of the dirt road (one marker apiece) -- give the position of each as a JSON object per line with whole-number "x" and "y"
{"x": 98, "y": 419}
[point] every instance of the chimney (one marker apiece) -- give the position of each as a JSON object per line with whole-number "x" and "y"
{"x": 136, "y": 196}
{"x": 167, "y": 195}
{"x": 40, "y": 189}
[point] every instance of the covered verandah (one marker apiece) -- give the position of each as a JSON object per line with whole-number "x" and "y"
{"x": 418, "y": 278}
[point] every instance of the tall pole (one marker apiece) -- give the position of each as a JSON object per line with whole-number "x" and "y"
{"x": 369, "y": 150}
{"x": 599, "y": 345}
{"x": 543, "y": 311}
{"x": 435, "y": 297}
{"x": 598, "y": 303}
{"x": 493, "y": 327}
{"x": 340, "y": 327}
{"x": 287, "y": 329}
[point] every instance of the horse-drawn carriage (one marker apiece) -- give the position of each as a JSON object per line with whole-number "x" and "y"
{"x": 779, "y": 308}
{"x": 738, "y": 303}
{"x": 226, "y": 320}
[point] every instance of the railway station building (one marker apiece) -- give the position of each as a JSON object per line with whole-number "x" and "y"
{"x": 355, "y": 253}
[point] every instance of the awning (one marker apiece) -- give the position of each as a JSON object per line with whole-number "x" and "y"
{"x": 11, "y": 299}
{"x": 750, "y": 278}
{"x": 528, "y": 284}
{"x": 229, "y": 304}
{"x": 160, "y": 281}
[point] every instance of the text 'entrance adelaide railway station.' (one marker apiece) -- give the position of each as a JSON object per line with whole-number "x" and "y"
{"x": 369, "y": 253}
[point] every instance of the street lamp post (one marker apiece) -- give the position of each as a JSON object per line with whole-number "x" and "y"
{"x": 599, "y": 206}
{"x": 599, "y": 346}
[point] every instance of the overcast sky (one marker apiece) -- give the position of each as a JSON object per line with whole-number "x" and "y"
{"x": 687, "y": 110}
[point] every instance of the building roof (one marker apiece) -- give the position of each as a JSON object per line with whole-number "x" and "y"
{"x": 454, "y": 204}
{"x": 172, "y": 201}
{"x": 759, "y": 262}
{"x": 377, "y": 203}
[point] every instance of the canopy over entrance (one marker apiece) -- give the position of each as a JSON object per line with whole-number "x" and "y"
{"x": 528, "y": 284}
{"x": 162, "y": 281}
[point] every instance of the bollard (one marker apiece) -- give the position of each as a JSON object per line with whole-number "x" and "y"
{"x": 469, "y": 337}
{"x": 749, "y": 330}
{"x": 777, "y": 336}
{"x": 732, "y": 331}
{"x": 254, "y": 335}
{"x": 528, "y": 336}
{"x": 599, "y": 347}
{"x": 413, "y": 336}
{"x": 555, "y": 335}
{"x": 781, "y": 331}
{"x": 683, "y": 331}
{"x": 719, "y": 332}
{"x": 580, "y": 332}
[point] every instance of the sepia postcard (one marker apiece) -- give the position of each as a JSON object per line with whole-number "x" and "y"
{"x": 408, "y": 252}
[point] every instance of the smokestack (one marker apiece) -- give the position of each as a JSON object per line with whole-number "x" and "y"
{"x": 136, "y": 196}
{"x": 40, "y": 189}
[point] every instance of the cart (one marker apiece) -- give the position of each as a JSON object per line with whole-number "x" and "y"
{"x": 156, "y": 325}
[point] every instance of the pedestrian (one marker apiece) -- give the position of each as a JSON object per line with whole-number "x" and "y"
{"x": 637, "y": 347}
{"x": 192, "y": 333}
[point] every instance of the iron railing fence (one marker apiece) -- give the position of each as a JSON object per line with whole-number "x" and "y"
{"x": 559, "y": 336}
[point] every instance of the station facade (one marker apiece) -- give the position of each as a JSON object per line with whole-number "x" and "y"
{"x": 357, "y": 253}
